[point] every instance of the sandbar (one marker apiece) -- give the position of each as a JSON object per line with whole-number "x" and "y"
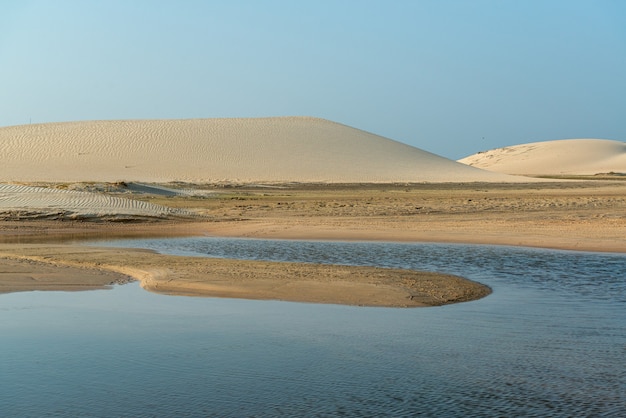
{"x": 586, "y": 216}
{"x": 63, "y": 267}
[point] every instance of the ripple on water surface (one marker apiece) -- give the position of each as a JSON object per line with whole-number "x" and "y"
{"x": 550, "y": 341}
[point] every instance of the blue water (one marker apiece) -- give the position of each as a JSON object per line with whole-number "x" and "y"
{"x": 550, "y": 341}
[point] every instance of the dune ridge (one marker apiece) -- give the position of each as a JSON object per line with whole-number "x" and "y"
{"x": 246, "y": 150}
{"x": 559, "y": 157}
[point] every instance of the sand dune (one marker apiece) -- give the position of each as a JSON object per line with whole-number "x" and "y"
{"x": 22, "y": 202}
{"x": 562, "y": 157}
{"x": 286, "y": 149}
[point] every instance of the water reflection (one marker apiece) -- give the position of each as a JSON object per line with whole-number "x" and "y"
{"x": 550, "y": 341}
{"x": 588, "y": 275}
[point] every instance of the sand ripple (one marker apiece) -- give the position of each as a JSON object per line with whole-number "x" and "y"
{"x": 246, "y": 150}
{"x": 22, "y": 202}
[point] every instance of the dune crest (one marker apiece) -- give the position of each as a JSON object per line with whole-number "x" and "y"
{"x": 560, "y": 157}
{"x": 246, "y": 150}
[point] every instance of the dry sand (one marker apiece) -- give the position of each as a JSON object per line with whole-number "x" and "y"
{"x": 570, "y": 215}
{"x": 23, "y": 202}
{"x": 587, "y": 216}
{"x": 287, "y": 149}
{"x": 554, "y": 158}
{"x": 397, "y": 193}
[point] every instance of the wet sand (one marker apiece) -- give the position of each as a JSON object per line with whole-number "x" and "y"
{"x": 586, "y": 216}
{"x": 88, "y": 267}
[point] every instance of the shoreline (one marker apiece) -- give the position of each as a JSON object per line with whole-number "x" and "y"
{"x": 443, "y": 237}
{"x": 587, "y": 216}
{"x": 533, "y": 235}
{"x": 73, "y": 267}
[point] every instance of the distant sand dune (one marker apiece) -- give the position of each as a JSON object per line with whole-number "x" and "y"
{"x": 286, "y": 149}
{"x": 562, "y": 157}
{"x": 22, "y": 202}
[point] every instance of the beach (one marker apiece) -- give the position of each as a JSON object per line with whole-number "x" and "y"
{"x": 283, "y": 178}
{"x": 585, "y": 216}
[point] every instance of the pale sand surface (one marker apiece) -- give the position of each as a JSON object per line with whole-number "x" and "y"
{"x": 554, "y": 158}
{"x": 278, "y": 178}
{"x": 24, "y": 202}
{"x": 237, "y": 150}
{"x": 569, "y": 215}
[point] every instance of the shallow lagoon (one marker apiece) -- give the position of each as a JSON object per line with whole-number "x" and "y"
{"x": 550, "y": 340}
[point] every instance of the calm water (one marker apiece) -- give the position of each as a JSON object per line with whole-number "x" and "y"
{"x": 550, "y": 341}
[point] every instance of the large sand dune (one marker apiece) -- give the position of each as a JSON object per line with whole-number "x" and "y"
{"x": 562, "y": 157}
{"x": 286, "y": 149}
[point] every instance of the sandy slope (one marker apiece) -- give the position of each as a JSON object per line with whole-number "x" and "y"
{"x": 285, "y": 149}
{"x": 562, "y": 157}
{"x": 23, "y": 202}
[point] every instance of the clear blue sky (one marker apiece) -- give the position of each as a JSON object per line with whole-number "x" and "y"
{"x": 450, "y": 77}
